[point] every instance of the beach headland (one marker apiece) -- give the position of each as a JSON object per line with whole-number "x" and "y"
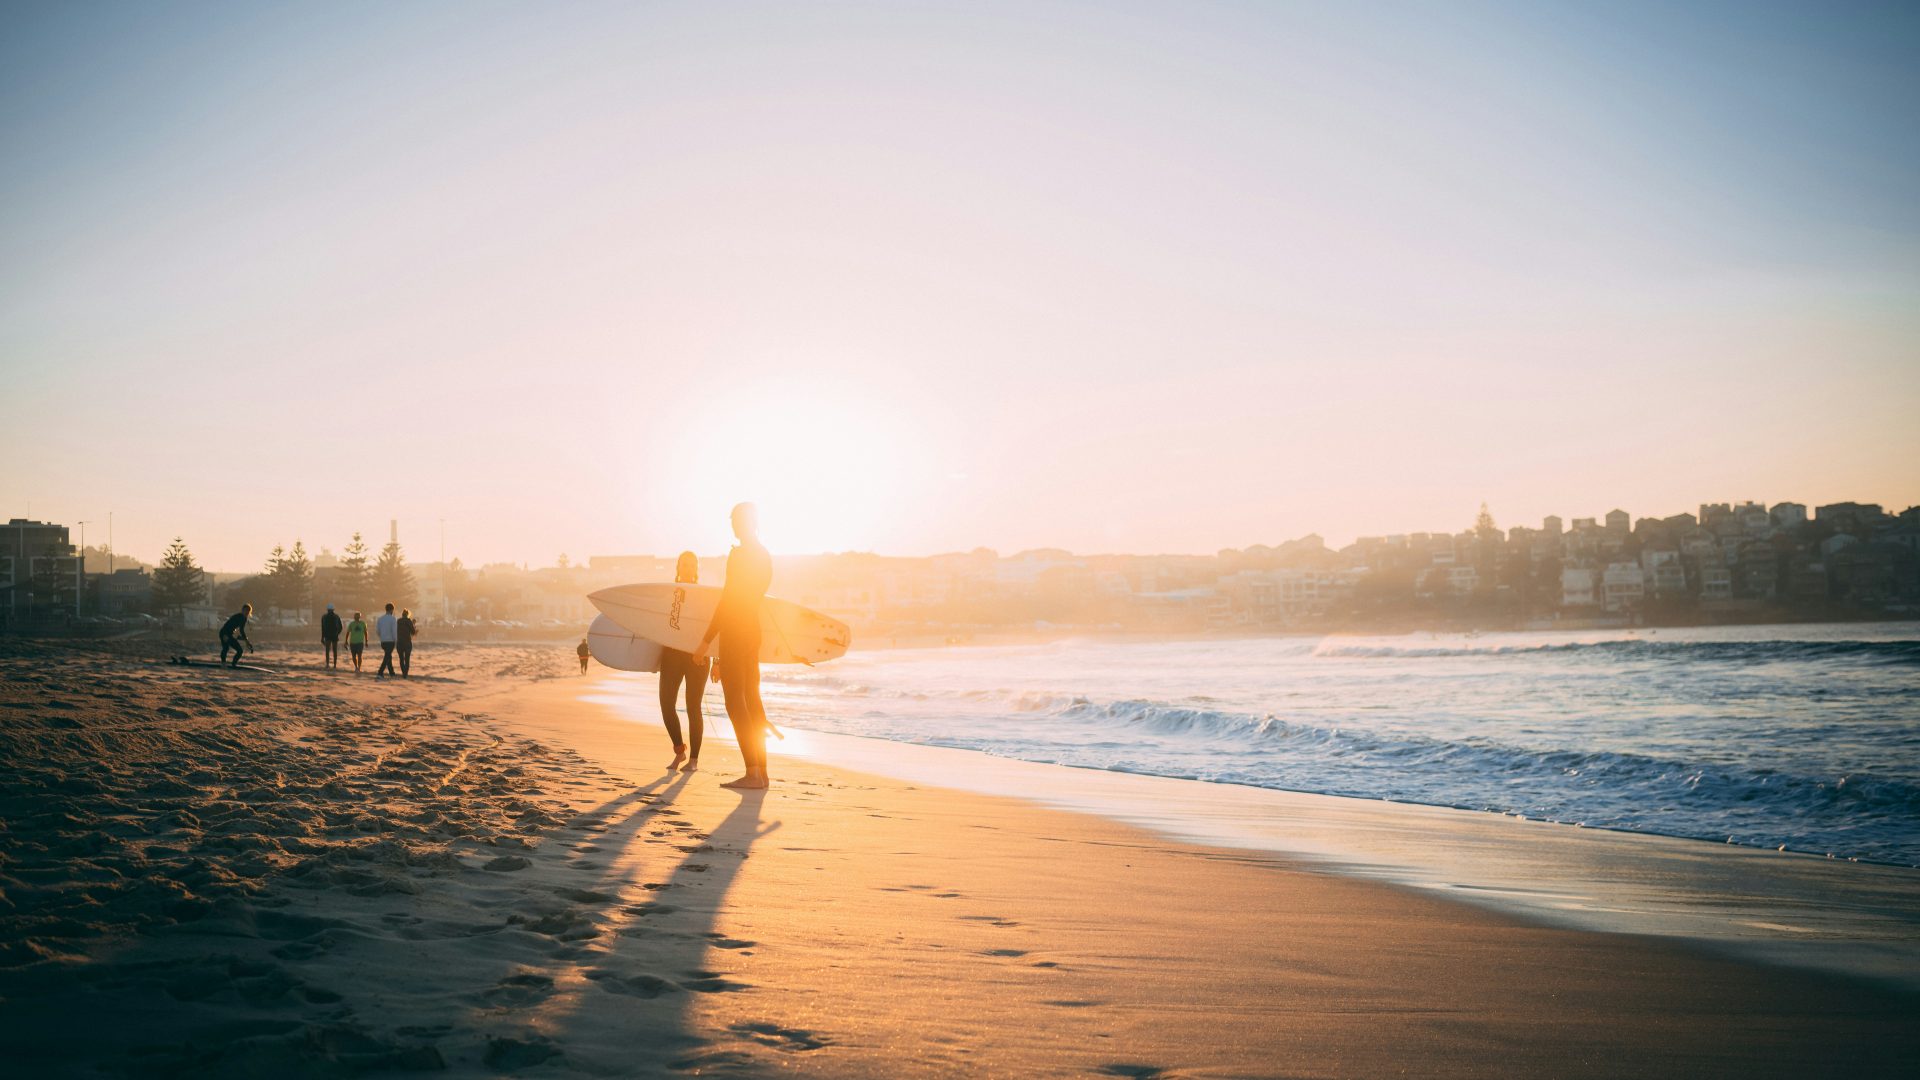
{"x": 300, "y": 873}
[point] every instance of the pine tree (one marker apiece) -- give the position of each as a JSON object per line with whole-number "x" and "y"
{"x": 353, "y": 576}
{"x": 294, "y": 587}
{"x": 267, "y": 585}
{"x": 1483, "y": 525}
{"x": 392, "y": 581}
{"x": 178, "y": 582}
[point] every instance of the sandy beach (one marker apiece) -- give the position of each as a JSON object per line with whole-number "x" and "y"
{"x": 485, "y": 871}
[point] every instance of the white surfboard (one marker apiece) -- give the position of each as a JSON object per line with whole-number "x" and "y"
{"x": 677, "y": 615}
{"x": 619, "y": 648}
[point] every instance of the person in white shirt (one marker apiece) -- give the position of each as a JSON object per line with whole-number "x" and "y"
{"x": 389, "y": 630}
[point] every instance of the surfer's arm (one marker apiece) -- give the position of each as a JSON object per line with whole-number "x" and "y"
{"x": 723, "y": 611}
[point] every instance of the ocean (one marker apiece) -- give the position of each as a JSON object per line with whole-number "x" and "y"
{"x": 1805, "y": 738}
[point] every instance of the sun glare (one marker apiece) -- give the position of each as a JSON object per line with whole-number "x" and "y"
{"x": 822, "y": 468}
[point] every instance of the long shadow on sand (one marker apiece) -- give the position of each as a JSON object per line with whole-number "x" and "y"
{"x": 647, "y": 945}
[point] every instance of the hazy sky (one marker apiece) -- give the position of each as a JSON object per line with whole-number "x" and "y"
{"x": 1167, "y": 277}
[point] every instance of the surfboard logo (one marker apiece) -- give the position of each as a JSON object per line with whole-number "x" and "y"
{"x": 673, "y": 616}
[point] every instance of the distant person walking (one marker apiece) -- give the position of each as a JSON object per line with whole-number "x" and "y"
{"x": 737, "y": 624}
{"x": 676, "y": 666}
{"x": 357, "y": 639}
{"x": 388, "y": 628}
{"x": 584, "y": 653}
{"x": 404, "y": 629}
{"x": 233, "y": 632}
{"x": 330, "y": 636}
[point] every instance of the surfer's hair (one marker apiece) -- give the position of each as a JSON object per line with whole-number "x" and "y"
{"x": 687, "y": 568}
{"x": 748, "y": 514}
{"x": 246, "y": 607}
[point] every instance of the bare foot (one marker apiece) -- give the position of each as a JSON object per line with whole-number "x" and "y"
{"x": 746, "y": 783}
{"x": 692, "y": 765}
{"x": 679, "y": 755}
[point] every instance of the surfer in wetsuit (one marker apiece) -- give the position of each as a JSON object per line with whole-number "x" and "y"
{"x": 584, "y": 653}
{"x": 737, "y": 624}
{"x": 233, "y": 632}
{"x": 676, "y": 666}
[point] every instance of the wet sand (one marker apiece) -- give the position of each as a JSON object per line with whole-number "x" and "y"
{"x": 213, "y": 873}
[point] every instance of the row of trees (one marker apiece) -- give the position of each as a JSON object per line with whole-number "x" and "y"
{"x": 289, "y": 581}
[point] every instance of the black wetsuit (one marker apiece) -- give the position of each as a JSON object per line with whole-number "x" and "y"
{"x": 749, "y": 573}
{"x": 676, "y": 666}
{"x": 232, "y": 633}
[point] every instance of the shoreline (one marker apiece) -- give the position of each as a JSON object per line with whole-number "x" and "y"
{"x": 1848, "y": 917}
{"x": 486, "y": 874}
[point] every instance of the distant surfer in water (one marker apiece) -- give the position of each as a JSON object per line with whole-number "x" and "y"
{"x": 737, "y": 623}
{"x": 674, "y": 667}
{"x": 233, "y": 632}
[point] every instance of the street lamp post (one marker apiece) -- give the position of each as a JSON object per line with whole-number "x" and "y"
{"x": 80, "y": 572}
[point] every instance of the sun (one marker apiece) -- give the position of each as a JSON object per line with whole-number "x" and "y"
{"x": 824, "y": 468}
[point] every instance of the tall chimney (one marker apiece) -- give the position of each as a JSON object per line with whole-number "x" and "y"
{"x": 393, "y": 530}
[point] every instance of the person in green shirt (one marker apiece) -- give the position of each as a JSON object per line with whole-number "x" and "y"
{"x": 357, "y": 638}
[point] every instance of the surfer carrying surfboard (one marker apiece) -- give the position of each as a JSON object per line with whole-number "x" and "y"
{"x": 737, "y": 624}
{"x": 675, "y": 667}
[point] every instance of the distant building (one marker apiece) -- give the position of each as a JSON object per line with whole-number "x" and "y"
{"x": 1836, "y": 543}
{"x": 1577, "y": 587}
{"x": 1619, "y": 521}
{"x": 1550, "y": 525}
{"x": 1716, "y": 583}
{"x": 26, "y": 549}
{"x": 1860, "y": 519}
{"x": 1625, "y": 586}
{"x": 1806, "y": 581}
{"x": 124, "y": 591}
{"x": 1462, "y": 580}
{"x": 1788, "y": 515}
{"x": 1666, "y": 573}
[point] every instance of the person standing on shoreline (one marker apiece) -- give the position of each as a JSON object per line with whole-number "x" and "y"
{"x": 330, "y": 637}
{"x": 737, "y": 624}
{"x": 676, "y": 666}
{"x": 404, "y": 628}
{"x": 584, "y": 652}
{"x": 388, "y": 629}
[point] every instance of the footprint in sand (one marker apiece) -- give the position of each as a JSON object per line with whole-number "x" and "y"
{"x": 712, "y": 982}
{"x": 993, "y": 919}
{"x": 644, "y": 986}
{"x": 780, "y": 1038}
{"x": 722, "y": 941}
{"x": 513, "y": 1054}
{"x": 522, "y": 989}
